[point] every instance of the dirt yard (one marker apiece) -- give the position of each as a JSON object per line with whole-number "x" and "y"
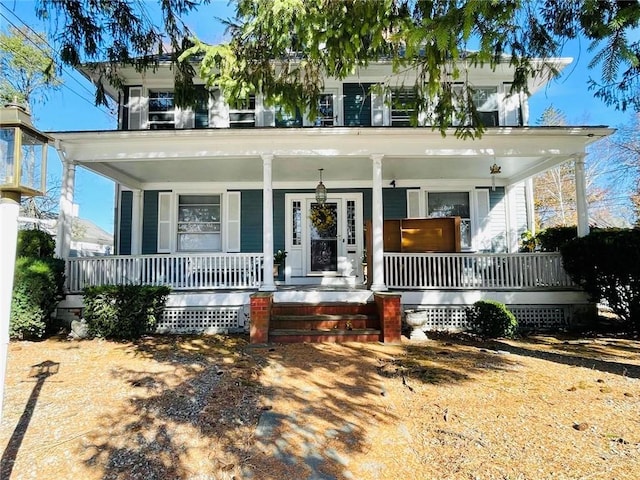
{"x": 216, "y": 408}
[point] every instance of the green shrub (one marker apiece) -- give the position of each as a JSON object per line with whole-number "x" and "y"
{"x": 35, "y": 243}
{"x": 491, "y": 319}
{"x": 606, "y": 263}
{"x": 37, "y": 288}
{"x": 123, "y": 311}
{"x": 548, "y": 240}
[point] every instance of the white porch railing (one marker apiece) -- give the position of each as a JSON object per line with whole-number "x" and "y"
{"x": 180, "y": 272}
{"x": 422, "y": 271}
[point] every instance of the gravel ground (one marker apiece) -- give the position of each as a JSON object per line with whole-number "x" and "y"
{"x": 214, "y": 407}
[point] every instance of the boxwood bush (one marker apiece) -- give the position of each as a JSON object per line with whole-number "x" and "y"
{"x": 606, "y": 263}
{"x": 491, "y": 319}
{"x": 123, "y": 312}
{"x": 37, "y": 288}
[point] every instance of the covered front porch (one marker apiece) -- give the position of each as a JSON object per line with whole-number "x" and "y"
{"x": 213, "y": 292}
{"x": 256, "y": 189}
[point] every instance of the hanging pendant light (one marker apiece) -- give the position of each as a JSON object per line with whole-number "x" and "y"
{"x": 321, "y": 190}
{"x": 494, "y": 170}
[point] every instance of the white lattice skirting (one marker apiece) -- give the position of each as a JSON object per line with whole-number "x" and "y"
{"x": 222, "y": 319}
{"x": 530, "y": 317}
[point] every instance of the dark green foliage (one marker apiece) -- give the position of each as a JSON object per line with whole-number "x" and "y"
{"x": 491, "y": 319}
{"x": 35, "y": 243}
{"x": 123, "y": 311}
{"x": 606, "y": 263}
{"x": 37, "y": 288}
{"x": 551, "y": 239}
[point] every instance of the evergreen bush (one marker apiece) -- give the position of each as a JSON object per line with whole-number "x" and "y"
{"x": 37, "y": 288}
{"x": 123, "y": 312}
{"x": 35, "y": 243}
{"x": 491, "y": 319}
{"x": 606, "y": 263}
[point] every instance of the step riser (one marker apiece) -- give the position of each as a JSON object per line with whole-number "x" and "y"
{"x": 302, "y": 309}
{"x": 329, "y": 338}
{"x": 323, "y": 324}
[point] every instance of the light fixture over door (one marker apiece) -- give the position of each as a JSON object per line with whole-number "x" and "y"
{"x": 321, "y": 190}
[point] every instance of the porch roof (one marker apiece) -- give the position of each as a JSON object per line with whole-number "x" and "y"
{"x": 142, "y": 158}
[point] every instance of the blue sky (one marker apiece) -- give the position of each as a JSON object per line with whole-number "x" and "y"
{"x": 71, "y": 108}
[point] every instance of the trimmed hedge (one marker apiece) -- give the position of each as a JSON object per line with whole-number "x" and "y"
{"x": 491, "y": 319}
{"x": 606, "y": 263}
{"x": 123, "y": 312}
{"x": 37, "y": 288}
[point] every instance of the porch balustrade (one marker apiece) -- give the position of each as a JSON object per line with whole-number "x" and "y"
{"x": 403, "y": 271}
{"x": 180, "y": 272}
{"x": 423, "y": 271}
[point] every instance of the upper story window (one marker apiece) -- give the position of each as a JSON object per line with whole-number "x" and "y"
{"x": 327, "y": 114}
{"x": 403, "y": 102}
{"x": 161, "y": 107}
{"x": 485, "y": 100}
{"x": 242, "y": 113}
{"x": 287, "y": 120}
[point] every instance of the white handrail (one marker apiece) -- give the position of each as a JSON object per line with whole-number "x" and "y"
{"x": 423, "y": 271}
{"x": 179, "y": 271}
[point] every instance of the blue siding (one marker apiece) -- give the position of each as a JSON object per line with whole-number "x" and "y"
{"x": 150, "y": 222}
{"x": 124, "y": 236}
{"x": 394, "y": 201}
{"x": 251, "y": 221}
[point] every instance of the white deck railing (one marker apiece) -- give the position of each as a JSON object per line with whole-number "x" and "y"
{"x": 180, "y": 272}
{"x": 423, "y": 271}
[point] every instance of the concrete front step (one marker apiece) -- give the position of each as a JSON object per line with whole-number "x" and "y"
{"x": 319, "y": 336}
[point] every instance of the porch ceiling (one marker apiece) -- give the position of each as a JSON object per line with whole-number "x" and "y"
{"x": 138, "y": 158}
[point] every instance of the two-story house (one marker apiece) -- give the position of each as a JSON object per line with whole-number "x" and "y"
{"x": 205, "y": 196}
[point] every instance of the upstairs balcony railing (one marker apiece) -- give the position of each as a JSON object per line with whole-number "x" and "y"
{"x": 180, "y": 272}
{"x": 506, "y": 271}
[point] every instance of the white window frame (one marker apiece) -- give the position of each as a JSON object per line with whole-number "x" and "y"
{"x": 230, "y": 225}
{"x": 149, "y": 112}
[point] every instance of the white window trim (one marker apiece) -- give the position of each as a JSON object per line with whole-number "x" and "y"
{"x": 453, "y": 189}
{"x": 224, "y": 219}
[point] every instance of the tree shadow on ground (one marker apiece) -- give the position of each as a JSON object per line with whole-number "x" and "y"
{"x": 334, "y": 393}
{"x": 587, "y": 355}
{"x": 209, "y": 406}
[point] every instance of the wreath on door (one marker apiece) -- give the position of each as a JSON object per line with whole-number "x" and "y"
{"x": 322, "y": 217}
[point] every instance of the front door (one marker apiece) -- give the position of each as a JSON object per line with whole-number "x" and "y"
{"x": 323, "y": 240}
{"x": 324, "y": 245}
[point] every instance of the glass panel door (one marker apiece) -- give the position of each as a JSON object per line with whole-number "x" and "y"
{"x": 323, "y": 235}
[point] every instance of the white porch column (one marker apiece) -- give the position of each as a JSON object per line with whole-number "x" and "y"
{"x": 531, "y": 208}
{"x": 267, "y": 224}
{"x": 377, "y": 222}
{"x": 65, "y": 215}
{"x": 136, "y": 223}
{"x": 581, "y": 196}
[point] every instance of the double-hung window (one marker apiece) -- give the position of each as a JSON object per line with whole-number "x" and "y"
{"x": 242, "y": 113}
{"x": 403, "y": 106}
{"x": 162, "y": 113}
{"x": 485, "y": 100}
{"x": 199, "y": 223}
{"x": 326, "y": 112}
{"x": 452, "y": 204}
